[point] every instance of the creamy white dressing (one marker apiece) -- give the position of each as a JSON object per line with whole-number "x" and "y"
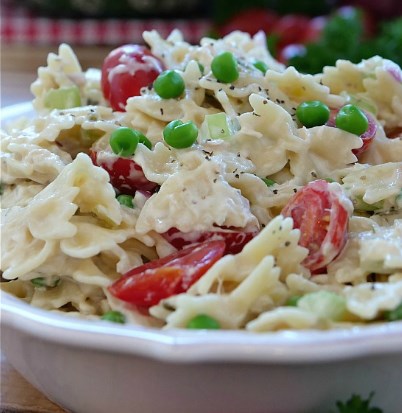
{"x": 60, "y": 213}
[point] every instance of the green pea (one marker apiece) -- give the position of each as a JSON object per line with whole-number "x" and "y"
{"x": 114, "y": 317}
{"x": 203, "y": 322}
{"x": 224, "y": 67}
{"x": 126, "y": 200}
{"x": 312, "y": 113}
{"x": 169, "y": 84}
{"x": 124, "y": 141}
{"x": 261, "y": 66}
{"x": 352, "y": 119}
{"x": 395, "y": 314}
{"x": 180, "y": 135}
{"x": 268, "y": 182}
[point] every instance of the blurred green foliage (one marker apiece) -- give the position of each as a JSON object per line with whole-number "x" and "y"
{"x": 343, "y": 38}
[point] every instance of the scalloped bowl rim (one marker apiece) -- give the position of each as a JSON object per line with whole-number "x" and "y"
{"x": 180, "y": 345}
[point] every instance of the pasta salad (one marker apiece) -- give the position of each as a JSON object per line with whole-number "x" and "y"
{"x": 207, "y": 186}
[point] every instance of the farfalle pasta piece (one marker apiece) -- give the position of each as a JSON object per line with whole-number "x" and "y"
{"x": 368, "y": 301}
{"x": 266, "y": 136}
{"x": 324, "y": 150}
{"x": 299, "y": 87}
{"x": 284, "y": 318}
{"x": 374, "y": 187}
{"x": 277, "y": 239}
{"x": 63, "y": 70}
{"x": 232, "y": 309}
{"x": 22, "y": 159}
{"x": 187, "y": 200}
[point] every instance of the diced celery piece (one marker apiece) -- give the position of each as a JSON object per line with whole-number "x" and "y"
{"x": 218, "y": 125}
{"x": 361, "y": 205}
{"x": 324, "y": 304}
{"x": 63, "y": 98}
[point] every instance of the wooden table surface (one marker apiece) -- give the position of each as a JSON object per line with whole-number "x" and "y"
{"x": 18, "y": 70}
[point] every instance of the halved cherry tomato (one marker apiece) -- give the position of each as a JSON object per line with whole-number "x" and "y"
{"x": 250, "y": 21}
{"x": 125, "y": 71}
{"x": 235, "y": 239}
{"x": 146, "y": 285}
{"x": 125, "y": 174}
{"x": 322, "y": 219}
{"x": 367, "y": 136}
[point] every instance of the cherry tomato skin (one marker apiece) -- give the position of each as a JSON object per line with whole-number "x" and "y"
{"x": 368, "y": 136}
{"x": 250, "y": 21}
{"x": 146, "y": 285}
{"x": 125, "y": 71}
{"x": 234, "y": 240}
{"x": 322, "y": 219}
{"x": 125, "y": 175}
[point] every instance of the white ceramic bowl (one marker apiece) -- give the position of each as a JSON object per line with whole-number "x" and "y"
{"x": 98, "y": 367}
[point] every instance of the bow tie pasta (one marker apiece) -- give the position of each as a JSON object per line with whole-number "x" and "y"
{"x": 207, "y": 186}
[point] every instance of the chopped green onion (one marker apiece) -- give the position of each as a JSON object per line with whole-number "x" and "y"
{"x": 201, "y": 67}
{"x": 261, "y": 66}
{"x": 43, "y": 282}
{"x": 218, "y": 125}
{"x": 395, "y": 314}
{"x": 203, "y": 321}
{"x": 124, "y": 141}
{"x": 180, "y": 135}
{"x": 224, "y": 67}
{"x": 268, "y": 182}
{"x": 126, "y": 200}
{"x": 360, "y": 205}
{"x": 329, "y": 180}
{"x": 114, "y": 317}
{"x": 169, "y": 84}
{"x": 63, "y": 98}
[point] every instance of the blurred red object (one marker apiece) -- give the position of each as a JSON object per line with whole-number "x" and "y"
{"x": 250, "y": 21}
